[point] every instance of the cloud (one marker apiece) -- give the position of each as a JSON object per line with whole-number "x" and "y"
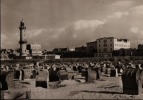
{"x": 137, "y": 10}
{"x": 83, "y": 24}
{"x": 53, "y": 33}
{"x": 134, "y": 30}
{"x": 120, "y": 24}
{"x": 118, "y": 15}
{"x": 7, "y": 42}
{"x": 122, "y": 3}
{"x": 34, "y": 33}
{"x": 3, "y": 40}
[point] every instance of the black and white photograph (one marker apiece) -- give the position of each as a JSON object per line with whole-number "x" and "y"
{"x": 71, "y": 49}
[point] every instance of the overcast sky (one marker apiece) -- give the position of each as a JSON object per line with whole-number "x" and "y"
{"x": 70, "y": 23}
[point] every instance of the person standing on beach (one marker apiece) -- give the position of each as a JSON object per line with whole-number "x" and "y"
{"x": 86, "y": 74}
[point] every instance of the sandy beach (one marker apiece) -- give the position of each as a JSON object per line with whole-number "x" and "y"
{"x": 106, "y": 88}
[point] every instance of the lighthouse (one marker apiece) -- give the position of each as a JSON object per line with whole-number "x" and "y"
{"x": 23, "y": 41}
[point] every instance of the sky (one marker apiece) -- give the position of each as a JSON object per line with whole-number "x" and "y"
{"x": 70, "y": 23}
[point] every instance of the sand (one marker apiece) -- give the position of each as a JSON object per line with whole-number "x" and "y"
{"x": 106, "y": 88}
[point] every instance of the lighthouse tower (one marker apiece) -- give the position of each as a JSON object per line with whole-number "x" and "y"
{"x": 23, "y": 41}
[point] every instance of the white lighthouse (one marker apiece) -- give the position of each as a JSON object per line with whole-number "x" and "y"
{"x": 23, "y": 41}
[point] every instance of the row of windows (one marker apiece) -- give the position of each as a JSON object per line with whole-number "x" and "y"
{"x": 106, "y": 40}
{"x": 36, "y": 47}
{"x": 122, "y": 45}
{"x": 105, "y": 45}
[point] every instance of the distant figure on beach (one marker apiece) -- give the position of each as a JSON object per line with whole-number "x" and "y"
{"x": 86, "y": 74}
{"x": 0, "y": 86}
{"x": 119, "y": 68}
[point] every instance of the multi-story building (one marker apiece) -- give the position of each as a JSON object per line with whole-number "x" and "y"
{"x": 92, "y": 46}
{"x": 81, "y": 49}
{"x": 106, "y": 45}
{"x": 140, "y": 50}
{"x": 34, "y": 49}
{"x": 140, "y": 46}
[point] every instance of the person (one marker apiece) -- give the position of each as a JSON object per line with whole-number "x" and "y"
{"x": 34, "y": 73}
{"x": 79, "y": 68}
{"x": 131, "y": 65}
{"x": 86, "y": 74}
{"x": 74, "y": 68}
{"x": 0, "y": 86}
{"x": 140, "y": 66}
{"x": 98, "y": 71}
{"x": 119, "y": 68}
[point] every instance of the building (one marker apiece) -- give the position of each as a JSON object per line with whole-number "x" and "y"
{"x": 34, "y": 49}
{"x": 61, "y": 50}
{"x": 92, "y": 46}
{"x": 140, "y": 46}
{"x": 106, "y": 45}
{"x": 4, "y": 56}
{"x": 81, "y": 49}
{"x": 140, "y": 50}
{"x": 53, "y": 57}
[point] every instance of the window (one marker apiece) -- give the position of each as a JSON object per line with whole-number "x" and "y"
{"x": 105, "y": 49}
{"x": 110, "y": 44}
{"x": 105, "y": 40}
{"x": 110, "y": 40}
{"x": 99, "y": 45}
{"x": 110, "y": 49}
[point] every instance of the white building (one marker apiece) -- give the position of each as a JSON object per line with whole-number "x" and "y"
{"x": 106, "y": 45}
{"x": 34, "y": 49}
{"x": 53, "y": 57}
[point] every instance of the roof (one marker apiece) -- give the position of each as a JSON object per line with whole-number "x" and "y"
{"x": 61, "y": 49}
{"x": 106, "y": 38}
{"x": 91, "y": 42}
{"x": 114, "y": 38}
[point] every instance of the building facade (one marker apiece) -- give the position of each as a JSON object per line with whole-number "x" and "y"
{"x": 92, "y": 46}
{"x": 106, "y": 45}
{"x": 81, "y": 49}
{"x": 34, "y": 49}
{"x": 52, "y": 57}
{"x": 140, "y": 46}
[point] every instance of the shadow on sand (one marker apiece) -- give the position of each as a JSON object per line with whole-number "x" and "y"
{"x": 72, "y": 93}
{"x": 106, "y": 92}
